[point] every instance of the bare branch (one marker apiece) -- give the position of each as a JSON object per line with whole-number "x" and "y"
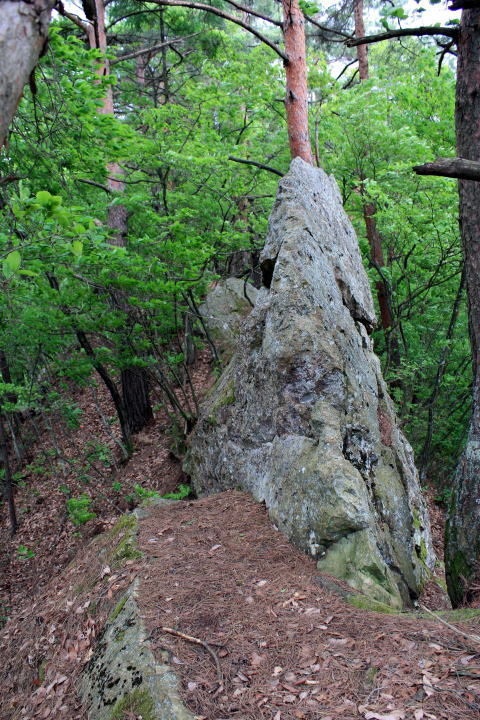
{"x": 249, "y": 10}
{"x": 407, "y": 32}
{"x": 95, "y": 184}
{"x": 326, "y": 29}
{"x": 152, "y": 48}
{"x": 225, "y": 16}
{"x": 352, "y": 62}
{"x": 451, "y": 167}
{"x": 10, "y": 178}
{"x": 85, "y": 26}
{"x": 256, "y": 164}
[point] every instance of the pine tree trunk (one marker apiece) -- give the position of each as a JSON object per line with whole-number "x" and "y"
{"x": 296, "y": 100}
{"x": 462, "y": 535}
{"x": 362, "y": 50}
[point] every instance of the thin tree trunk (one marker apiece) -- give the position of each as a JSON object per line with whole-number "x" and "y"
{"x": 442, "y": 364}
{"x": 13, "y": 418}
{"x": 7, "y": 478}
{"x": 296, "y": 100}
{"x": 462, "y": 535}
{"x": 369, "y": 211}
{"x": 103, "y": 372}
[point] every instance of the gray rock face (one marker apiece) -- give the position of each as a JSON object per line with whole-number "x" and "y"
{"x": 123, "y": 675}
{"x": 224, "y": 311}
{"x": 301, "y": 417}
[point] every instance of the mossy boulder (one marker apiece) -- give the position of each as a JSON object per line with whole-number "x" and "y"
{"x": 123, "y": 674}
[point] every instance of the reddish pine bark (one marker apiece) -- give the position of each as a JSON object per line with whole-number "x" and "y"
{"x": 296, "y": 101}
{"x": 362, "y": 50}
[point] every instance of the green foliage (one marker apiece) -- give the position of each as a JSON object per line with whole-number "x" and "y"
{"x": 140, "y": 493}
{"x": 79, "y": 509}
{"x": 25, "y": 553}
{"x": 183, "y": 491}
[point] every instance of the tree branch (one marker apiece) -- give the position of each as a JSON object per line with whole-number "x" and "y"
{"x": 326, "y": 29}
{"x": 85, "y": 26}
{"x": 407, "y": 32}
{"x": 464, "y": 4}
{"x": 95, "y": 184}
{"x": 152, "y": 49}
{"x": 451, "y": 167}
{"x": 249, "y": 11}
{"x": 225, "y": 16}
{"x": 257, "y": 164}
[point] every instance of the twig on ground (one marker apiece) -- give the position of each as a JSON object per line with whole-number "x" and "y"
{"x": 197, "y": 641}
{"x": 474, "y": 638}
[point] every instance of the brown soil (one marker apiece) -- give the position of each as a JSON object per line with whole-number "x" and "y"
{"x": 218, "y": 571}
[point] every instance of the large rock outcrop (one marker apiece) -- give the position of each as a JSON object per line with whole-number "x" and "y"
{"x": 301, "y": 417}
{"x": 224, "y": 309}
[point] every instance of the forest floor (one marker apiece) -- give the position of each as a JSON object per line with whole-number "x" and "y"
{"x": 284, "y": 647}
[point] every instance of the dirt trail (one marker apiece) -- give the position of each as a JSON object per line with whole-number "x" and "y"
{"x": 219, "y": 571}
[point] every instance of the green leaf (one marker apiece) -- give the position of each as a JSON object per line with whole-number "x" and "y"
{"x": 43, "y": 197}
{"x": 77, "y": 248}
{"x": 12, "y": 263}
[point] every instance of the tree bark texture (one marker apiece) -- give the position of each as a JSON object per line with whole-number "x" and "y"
{"x": 462, "y": 536}
{"x": 451, "y": 167}
{"x": 23, "y": 35}
{"x": 362, "y": 50}
{"x": 7, "y": 478}
{"x": 296, "y": 100}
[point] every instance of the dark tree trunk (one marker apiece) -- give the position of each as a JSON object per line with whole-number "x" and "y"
{"x": 136, "y": 398}
{"x": 462, "y": 536}
{"x": 14, "y": 418}
{"x": 7, "y": 478}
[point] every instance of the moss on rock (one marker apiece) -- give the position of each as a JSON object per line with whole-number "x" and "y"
{"x": 118, "y": 609}
{"x": 138, "y": 702}
{"x": 366, "y": 603}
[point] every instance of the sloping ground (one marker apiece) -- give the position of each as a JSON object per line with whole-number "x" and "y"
{"x": 284, "y": 647}
{"x": 50, "y": 639}
{"x": 216, "y": 570}
{"x": 79, "y": 460}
